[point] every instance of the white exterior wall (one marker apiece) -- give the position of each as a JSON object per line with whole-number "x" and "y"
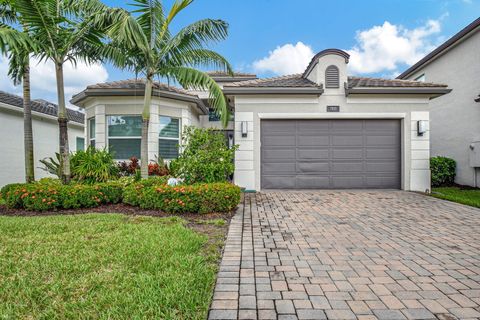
{"x": 408, "y": 109}
{"x": 455, "y": 117}
{"x": 45, "y": 143}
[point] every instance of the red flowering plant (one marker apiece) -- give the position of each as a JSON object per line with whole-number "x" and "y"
{"x": 129, "y": 167}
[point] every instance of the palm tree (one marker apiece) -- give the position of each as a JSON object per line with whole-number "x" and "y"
{"x": 152, "y": 50}
{"x": 66, "y": 32}
{"x": 19, "y": 45}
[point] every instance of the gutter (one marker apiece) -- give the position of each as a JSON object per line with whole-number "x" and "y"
{"x": 434, "y": 91}
{"x": 272, "y": 90}
{"x": 135, "y": 92}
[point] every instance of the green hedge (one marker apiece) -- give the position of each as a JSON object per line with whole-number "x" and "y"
{"x": 443, "y": 171}
{"x": 51, "y": 196}
{"x": 152, "y": 193}
{"x": 196, "y": 198}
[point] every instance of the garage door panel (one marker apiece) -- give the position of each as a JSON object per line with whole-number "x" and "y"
{"x": 312, "y": 126}
{"x": 279, "y": 126}
{"x": 346, "y": 125}
{"x": 348, "y": 167}
{"x": 347, "y": 153}
{"x": 347, "y": 182}
{"x": 347, "y": 140}
{"x": 312, "y": 182}
{"x": 279, "y": 167}
{"x": 330, "y": 154}
{"x": 313, "y": 154}
{"x": 312, "y": 140}
{"x": 312, "y": 167}
{"x": 275, "y": 155}
{"x": 279, "y": 140}
{"x": 381, "y": 140}
{"x": 388, "y": 166}
{"x": 278, "y": 182}
{"x": 383, "y": 181}
{"x": 382, "y": 153}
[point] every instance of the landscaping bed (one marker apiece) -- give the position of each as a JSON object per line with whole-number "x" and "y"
{"x": 464, "y": 195}
{"x": 108, "y": 266}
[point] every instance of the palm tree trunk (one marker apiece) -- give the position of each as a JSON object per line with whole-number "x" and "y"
{"x": 27, "y": 125}
{"x": 145, "y": 124}
{"x": 62, "y": 123}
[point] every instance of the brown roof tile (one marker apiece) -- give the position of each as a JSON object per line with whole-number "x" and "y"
{"x": 293, "y": 80}
{"x": 138, "y": 84}
{"x": 41, "y": 106}
{"x": 364, "y": 82}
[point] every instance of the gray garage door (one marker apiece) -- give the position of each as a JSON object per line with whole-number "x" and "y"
{"x": 330, "y": 154}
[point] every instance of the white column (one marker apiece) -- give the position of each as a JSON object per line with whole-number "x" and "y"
{"x": 420, "y": 154}
{"x": 244, "y": 170}
{"x": 100, "y": 127}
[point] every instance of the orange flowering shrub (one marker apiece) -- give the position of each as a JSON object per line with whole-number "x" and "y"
{"x": 42, "y": 197}
{"x": 196, "y": 198}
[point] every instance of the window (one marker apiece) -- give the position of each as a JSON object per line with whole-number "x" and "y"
{"x": 91, "y": 131}
{"x": 124, "y": 136}
{"x": 80, "y": 143}
{"x": 169, "y": 137}
{"x": 332, "y": 77}
{"x": 420, "y": 78}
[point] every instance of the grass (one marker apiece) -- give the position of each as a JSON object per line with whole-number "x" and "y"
{"x": 104, "y": 266}
{"x": 469, "y": 197}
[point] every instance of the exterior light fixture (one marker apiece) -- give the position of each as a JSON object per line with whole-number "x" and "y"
{"x": 244, "y": 129}
{"x": 421, "y": 127}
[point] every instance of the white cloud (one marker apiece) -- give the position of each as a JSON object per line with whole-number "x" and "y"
{"x": 386, "y": 47}
{"x": 43, "y": 82}
{"x": 286, "y": 59}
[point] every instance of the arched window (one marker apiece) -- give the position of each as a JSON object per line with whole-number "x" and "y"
{"x": 332, "y": 77}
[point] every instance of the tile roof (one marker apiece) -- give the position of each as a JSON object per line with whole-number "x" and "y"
{"x": 363, "y": 82}
{"x": 235, "y": 74}
{"x": 138, "y": 84}
{"x": 297, "y": 81}
{"x": 41, "y": 106}
{"x": 292, "y": 81}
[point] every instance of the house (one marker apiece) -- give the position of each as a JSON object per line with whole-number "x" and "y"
{"x": 45, "y": 135}
{"x": 319, "y": 129}
{"x": 455, "y": 118}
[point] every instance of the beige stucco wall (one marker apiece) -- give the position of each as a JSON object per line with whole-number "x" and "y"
{"x": 409, "y": 109}
{"x": 455, "y": 117}
{"x": 45, "y": 142}
{"x": 101, "y": 107}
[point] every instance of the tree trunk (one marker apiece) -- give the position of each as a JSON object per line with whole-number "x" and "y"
{"x": 27, "y": 125}
{"x": 145, "y": 124}
{"x": 62, "y": 124}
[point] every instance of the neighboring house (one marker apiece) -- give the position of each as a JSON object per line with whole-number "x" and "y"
{"x": 319, "y": 129}
{"x": 455, "y": 118}
{"x": 45, "y": 135}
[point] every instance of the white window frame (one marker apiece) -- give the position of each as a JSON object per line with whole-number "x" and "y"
{"x": 179, "y": 139}
{"x": 90, "y": 138}
{"x": 76, "y": 143}
{"x": 120, "y": 137}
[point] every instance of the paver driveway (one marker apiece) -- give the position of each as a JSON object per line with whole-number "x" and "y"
{"x": 350, "y": 255}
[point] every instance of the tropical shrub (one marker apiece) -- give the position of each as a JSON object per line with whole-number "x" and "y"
{"x": 128, "y": 168}
{"x": 443, "y": 171}
{"x": 197, "y": 198}
{"x": 52, "y": 165}
{"x": 93, "y": 165}
{"x": 205, "y": 158}
{"x": 40, "y": 196}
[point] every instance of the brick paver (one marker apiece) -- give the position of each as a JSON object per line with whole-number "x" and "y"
{"x": 349, "y": 255}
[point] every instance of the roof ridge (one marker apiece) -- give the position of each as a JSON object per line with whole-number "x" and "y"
{"x": 398, "y": 80}
{"x": 262, "y": 80}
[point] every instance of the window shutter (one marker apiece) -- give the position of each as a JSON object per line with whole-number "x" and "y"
{"x": 332, "y": 77}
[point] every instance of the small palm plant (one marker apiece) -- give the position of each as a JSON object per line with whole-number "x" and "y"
{"x": 149, "y": 48}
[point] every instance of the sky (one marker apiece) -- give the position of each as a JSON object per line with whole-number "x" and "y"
{"x": 278, "y": 37}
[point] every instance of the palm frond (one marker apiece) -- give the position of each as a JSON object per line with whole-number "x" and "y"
{"x": 195, "y": 79}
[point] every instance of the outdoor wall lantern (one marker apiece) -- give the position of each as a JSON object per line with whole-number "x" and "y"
{"x": 421, "y": 127}
{"x": 244, "y": 129}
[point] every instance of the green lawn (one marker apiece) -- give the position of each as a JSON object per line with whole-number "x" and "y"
{"x": 104, "y": 266}
{"x": 469, "y": 197}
